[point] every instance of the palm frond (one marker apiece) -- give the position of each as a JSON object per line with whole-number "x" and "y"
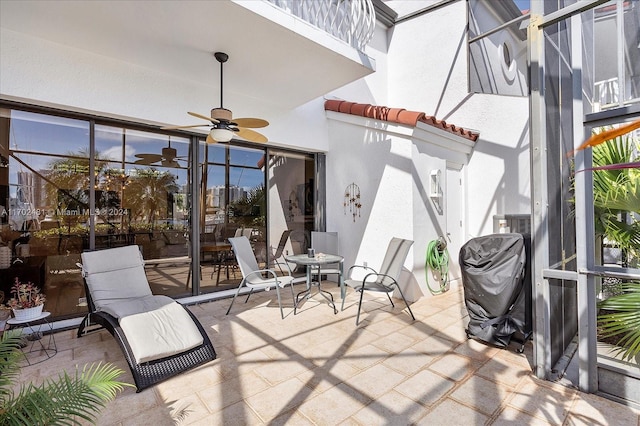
{"x": 621, "y": 317}
{"x": 68, "y": 400}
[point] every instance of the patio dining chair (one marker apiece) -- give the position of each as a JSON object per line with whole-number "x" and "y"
{"x": 326, "y": 242}
{"x": 386, "y": 278}
{"x": 159, "y": 337}
{"x": 255, "y": 278}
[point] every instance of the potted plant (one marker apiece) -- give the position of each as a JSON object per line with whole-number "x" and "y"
{"x": 27, "y": 301}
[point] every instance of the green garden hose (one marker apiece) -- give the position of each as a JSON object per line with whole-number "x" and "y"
{"x": 437, "y": 258}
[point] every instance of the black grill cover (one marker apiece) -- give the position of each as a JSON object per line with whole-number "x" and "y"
{"x": 493, "y": 277}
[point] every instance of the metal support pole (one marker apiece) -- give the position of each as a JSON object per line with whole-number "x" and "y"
{"x": 539, "y": 197}
{"x": 587, "y": 349}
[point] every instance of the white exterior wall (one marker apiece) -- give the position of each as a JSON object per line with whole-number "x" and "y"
{"x": 427, "y": 71}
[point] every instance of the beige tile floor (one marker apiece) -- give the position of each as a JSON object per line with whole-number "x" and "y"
{"x": 317, "y": 368}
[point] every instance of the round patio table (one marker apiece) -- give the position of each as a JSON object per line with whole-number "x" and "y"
{"x": 316, "y": 262}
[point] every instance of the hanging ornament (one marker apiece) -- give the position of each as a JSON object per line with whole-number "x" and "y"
{"x": 352, "y": 200}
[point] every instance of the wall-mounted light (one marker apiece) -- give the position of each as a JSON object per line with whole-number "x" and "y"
{"x": 435, "y": 191}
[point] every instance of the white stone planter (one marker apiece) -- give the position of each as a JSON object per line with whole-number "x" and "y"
{"x": 28, "y": 313}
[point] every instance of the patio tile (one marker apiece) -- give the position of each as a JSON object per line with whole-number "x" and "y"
{"x": 376, "y": 380}
{"x": 187, "y": 383}
{"x": 408, "y": 362}
{"x": 365, "y": 356}
{"x": 230, "y": 391}
{"x": 543, "y": 400}
{"x": 481, "y": 394}
{"x": 476, "y": 350}
{"x": 510, "y": 416}
{"x": 592, "y": 410}
{"x": 448, "y": 410}
{"x": 125, "y": 405}
{"x": 335, "y": 405}
{"x": 454, "y": 367}
{"x": 238, "y": 414}
{"x": 434, "y": 346}
{"x": 278, "y": 371}
{"x": 425, "y": 387}
{"x": 330, "y": 374}
{"x": 279, "y": 399}
{"x": 184, "y": 411}
{"x": 502, "y": 371}
{"x": 391, "y": 408}
{"x": 394, "y": 342}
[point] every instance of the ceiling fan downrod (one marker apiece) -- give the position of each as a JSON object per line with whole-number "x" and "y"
{"x": 222, "y": 58}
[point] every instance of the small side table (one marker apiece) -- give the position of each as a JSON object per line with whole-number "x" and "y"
{"x": 39, "y": 347}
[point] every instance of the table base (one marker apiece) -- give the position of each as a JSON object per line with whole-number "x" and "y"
{"x": 321, "y": 292}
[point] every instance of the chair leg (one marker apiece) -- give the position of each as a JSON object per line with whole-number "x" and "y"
{"x": 279, "y": 301}
{"x": 234, "y": 297}
{"x": 293, "y": 297}
{"x": 360, "y": 305}
{"x": 248, "y": 295}
{"x": 390, "y": 300}
{"x": 405, "y": 302}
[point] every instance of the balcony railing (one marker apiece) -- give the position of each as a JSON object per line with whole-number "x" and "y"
{"x": 352, "y": 21}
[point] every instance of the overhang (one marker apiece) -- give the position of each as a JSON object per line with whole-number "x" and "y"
{"x": 274, "y": 56}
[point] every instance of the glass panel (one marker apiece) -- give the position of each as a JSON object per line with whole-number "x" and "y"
{"x": 614, "y": 204}
{"x": 605, "y": 61}
{"x": 233, "y": 204}
{"x": 617, "y": 54}
{"x": 291, "y": 200}
{"x": 45, "y": 195}
{"x": 631, "y": 24}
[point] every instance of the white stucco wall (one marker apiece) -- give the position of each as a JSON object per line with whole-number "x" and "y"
{"x": 426, "y": 66}
{"x": 429, "y": 74}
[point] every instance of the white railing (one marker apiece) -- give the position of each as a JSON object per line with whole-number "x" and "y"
{"x": 352, "y": 21}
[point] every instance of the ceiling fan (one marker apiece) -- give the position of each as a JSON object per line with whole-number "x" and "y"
{"x": 223, "y": 125}
{"x": 167, "y": 158}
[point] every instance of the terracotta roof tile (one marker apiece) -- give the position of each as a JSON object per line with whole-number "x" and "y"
{"x": 397, "y": 115}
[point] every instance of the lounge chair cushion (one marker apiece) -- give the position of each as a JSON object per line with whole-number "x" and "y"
{"x": 159, "y": 333}
{"x": 114, "y": 276}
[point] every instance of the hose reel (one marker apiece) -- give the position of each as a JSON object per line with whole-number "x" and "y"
{"x": 437, "y": 259}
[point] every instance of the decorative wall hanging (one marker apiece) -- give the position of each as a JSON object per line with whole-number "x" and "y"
{"x": 352, "y": 199}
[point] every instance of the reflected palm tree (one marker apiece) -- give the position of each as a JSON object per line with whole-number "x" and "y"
{"x": 147, "y": 194}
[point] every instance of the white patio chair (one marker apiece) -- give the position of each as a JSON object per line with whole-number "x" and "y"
{"x": 386, "y": 280}
{"x": 326, "y": 242}
{"x": 255, "y": 278}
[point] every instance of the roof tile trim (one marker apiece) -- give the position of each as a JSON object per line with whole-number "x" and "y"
{"x": 397, "y": 115}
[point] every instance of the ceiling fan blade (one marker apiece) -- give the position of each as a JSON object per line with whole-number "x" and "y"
{"x": 152, "y": 158}
{"x": 251, "y": 122}
{"x": 183, "y": 127}
{"x": 144, "y": 162}
{"x": 204, "y": 117}
{"x": 251, "y": 135}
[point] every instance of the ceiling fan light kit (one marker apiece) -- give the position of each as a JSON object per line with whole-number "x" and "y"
{"x": 221, "y": 135}
{"x": 223, "y": 126}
